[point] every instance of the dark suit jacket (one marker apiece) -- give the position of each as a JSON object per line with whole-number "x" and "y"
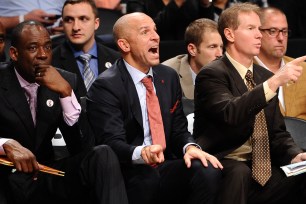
{"x": 64, "y": 59}
{"x": 114, "y": 111}
{"x": 225, "y": 112}
{"x": 16, "y": 119}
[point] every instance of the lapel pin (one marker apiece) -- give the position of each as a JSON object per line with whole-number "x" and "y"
{"x": 162, "y": 81}
{"x": 108, "y": 65}
{"x": 49, "y": 103}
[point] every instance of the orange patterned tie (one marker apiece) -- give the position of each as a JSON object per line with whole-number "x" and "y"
{"x": 261, "y": 163}
{"x": 154, "y": 114}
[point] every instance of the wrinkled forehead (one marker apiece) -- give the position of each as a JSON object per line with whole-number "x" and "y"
{"x": 248, "y": 17}
{"x": 34, "y": 33}
{"x": 139, "y": 20}
{"x": 275, "y": 20}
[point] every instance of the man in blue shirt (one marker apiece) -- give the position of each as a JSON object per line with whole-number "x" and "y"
{"x": 80, "y": 20}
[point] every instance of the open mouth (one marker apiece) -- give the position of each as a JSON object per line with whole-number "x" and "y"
{"x": 154, "y": 50}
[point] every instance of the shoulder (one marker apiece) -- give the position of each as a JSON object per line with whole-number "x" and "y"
{"x": 263, "y": 71}
{"x": 176, "y": 61}
{"x": 217, "y": 66}
{"x": 4, "y": 65}
{"x": 164, "y": 71}
{"x": 61, "y": 51}
{"x": 113, "y": 73}
{"x": 289, "y": 59}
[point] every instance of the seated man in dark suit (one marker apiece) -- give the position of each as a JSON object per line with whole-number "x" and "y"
{"x": 145, "y": 125}
{"x": 80, "y": 20}
{"x": 36, "y": 99}
{"x": 237, "y": 115}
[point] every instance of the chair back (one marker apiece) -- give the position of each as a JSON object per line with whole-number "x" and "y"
{"x": 297, "y": 128}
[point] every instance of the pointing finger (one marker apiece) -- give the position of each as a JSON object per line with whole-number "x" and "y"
{"x": 298, "y": 60}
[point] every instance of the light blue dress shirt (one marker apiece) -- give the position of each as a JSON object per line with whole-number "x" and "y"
{"x": 93, "y": 63}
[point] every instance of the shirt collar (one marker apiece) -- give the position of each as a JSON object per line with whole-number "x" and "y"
{"x": 93, "y": 51}
{"x": 137, "y": 75}
{"x": 23, "y": 82}
{"x": 193, "y": 75}
{"x": 242, "y": 70}
{"x": 263, "y": 65}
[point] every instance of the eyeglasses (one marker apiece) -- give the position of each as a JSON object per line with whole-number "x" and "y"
{"x": 274, "y": 32}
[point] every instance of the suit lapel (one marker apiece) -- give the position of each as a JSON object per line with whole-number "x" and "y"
{"x": 101, "y": 59}
{"x": 160, "y": 88}
{"x": 186, "y": 78}
{"x": 132, "y": 93}
{"x": 15, "y": 96}
{"x": 47, "y": 107}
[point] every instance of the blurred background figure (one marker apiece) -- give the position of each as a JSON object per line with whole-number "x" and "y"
{"x": 13, "y": 12}
{"x": 2, "y": 43}
{"x": 108, "y": 4}
{"x": 172, "y": 16}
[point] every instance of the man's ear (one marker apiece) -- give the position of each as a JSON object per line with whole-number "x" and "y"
{"x": 13, "y": 53}
{"x": 192, "y": 49}
{"x": 124, "y": 45}
{"x": 97, "y": 23}
{"x": 229, "y": 34}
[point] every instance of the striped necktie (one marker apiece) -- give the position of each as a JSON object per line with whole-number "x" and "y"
{"x": 89, "y": 76}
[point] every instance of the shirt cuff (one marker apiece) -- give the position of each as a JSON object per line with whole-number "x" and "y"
{"x": 136, "y": 157}
{"x": 2, "y": 141}
{"x": 194, "y": 144}
{"x": 269, "y": 94}
{"x": 71, "y": 109}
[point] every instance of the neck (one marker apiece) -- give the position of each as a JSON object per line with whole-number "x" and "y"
{"x": 194, "y": 66}
{"x": 271, "y": 62}
{"x": 241, "y": 58}
{"x": 84, "y": 47}
{"x": 166, "y": 2}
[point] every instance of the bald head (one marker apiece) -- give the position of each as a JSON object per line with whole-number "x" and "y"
{"x": 138, "y": 40}
{"x": 126, "y": 23}
{"x": 266, "y": 13}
